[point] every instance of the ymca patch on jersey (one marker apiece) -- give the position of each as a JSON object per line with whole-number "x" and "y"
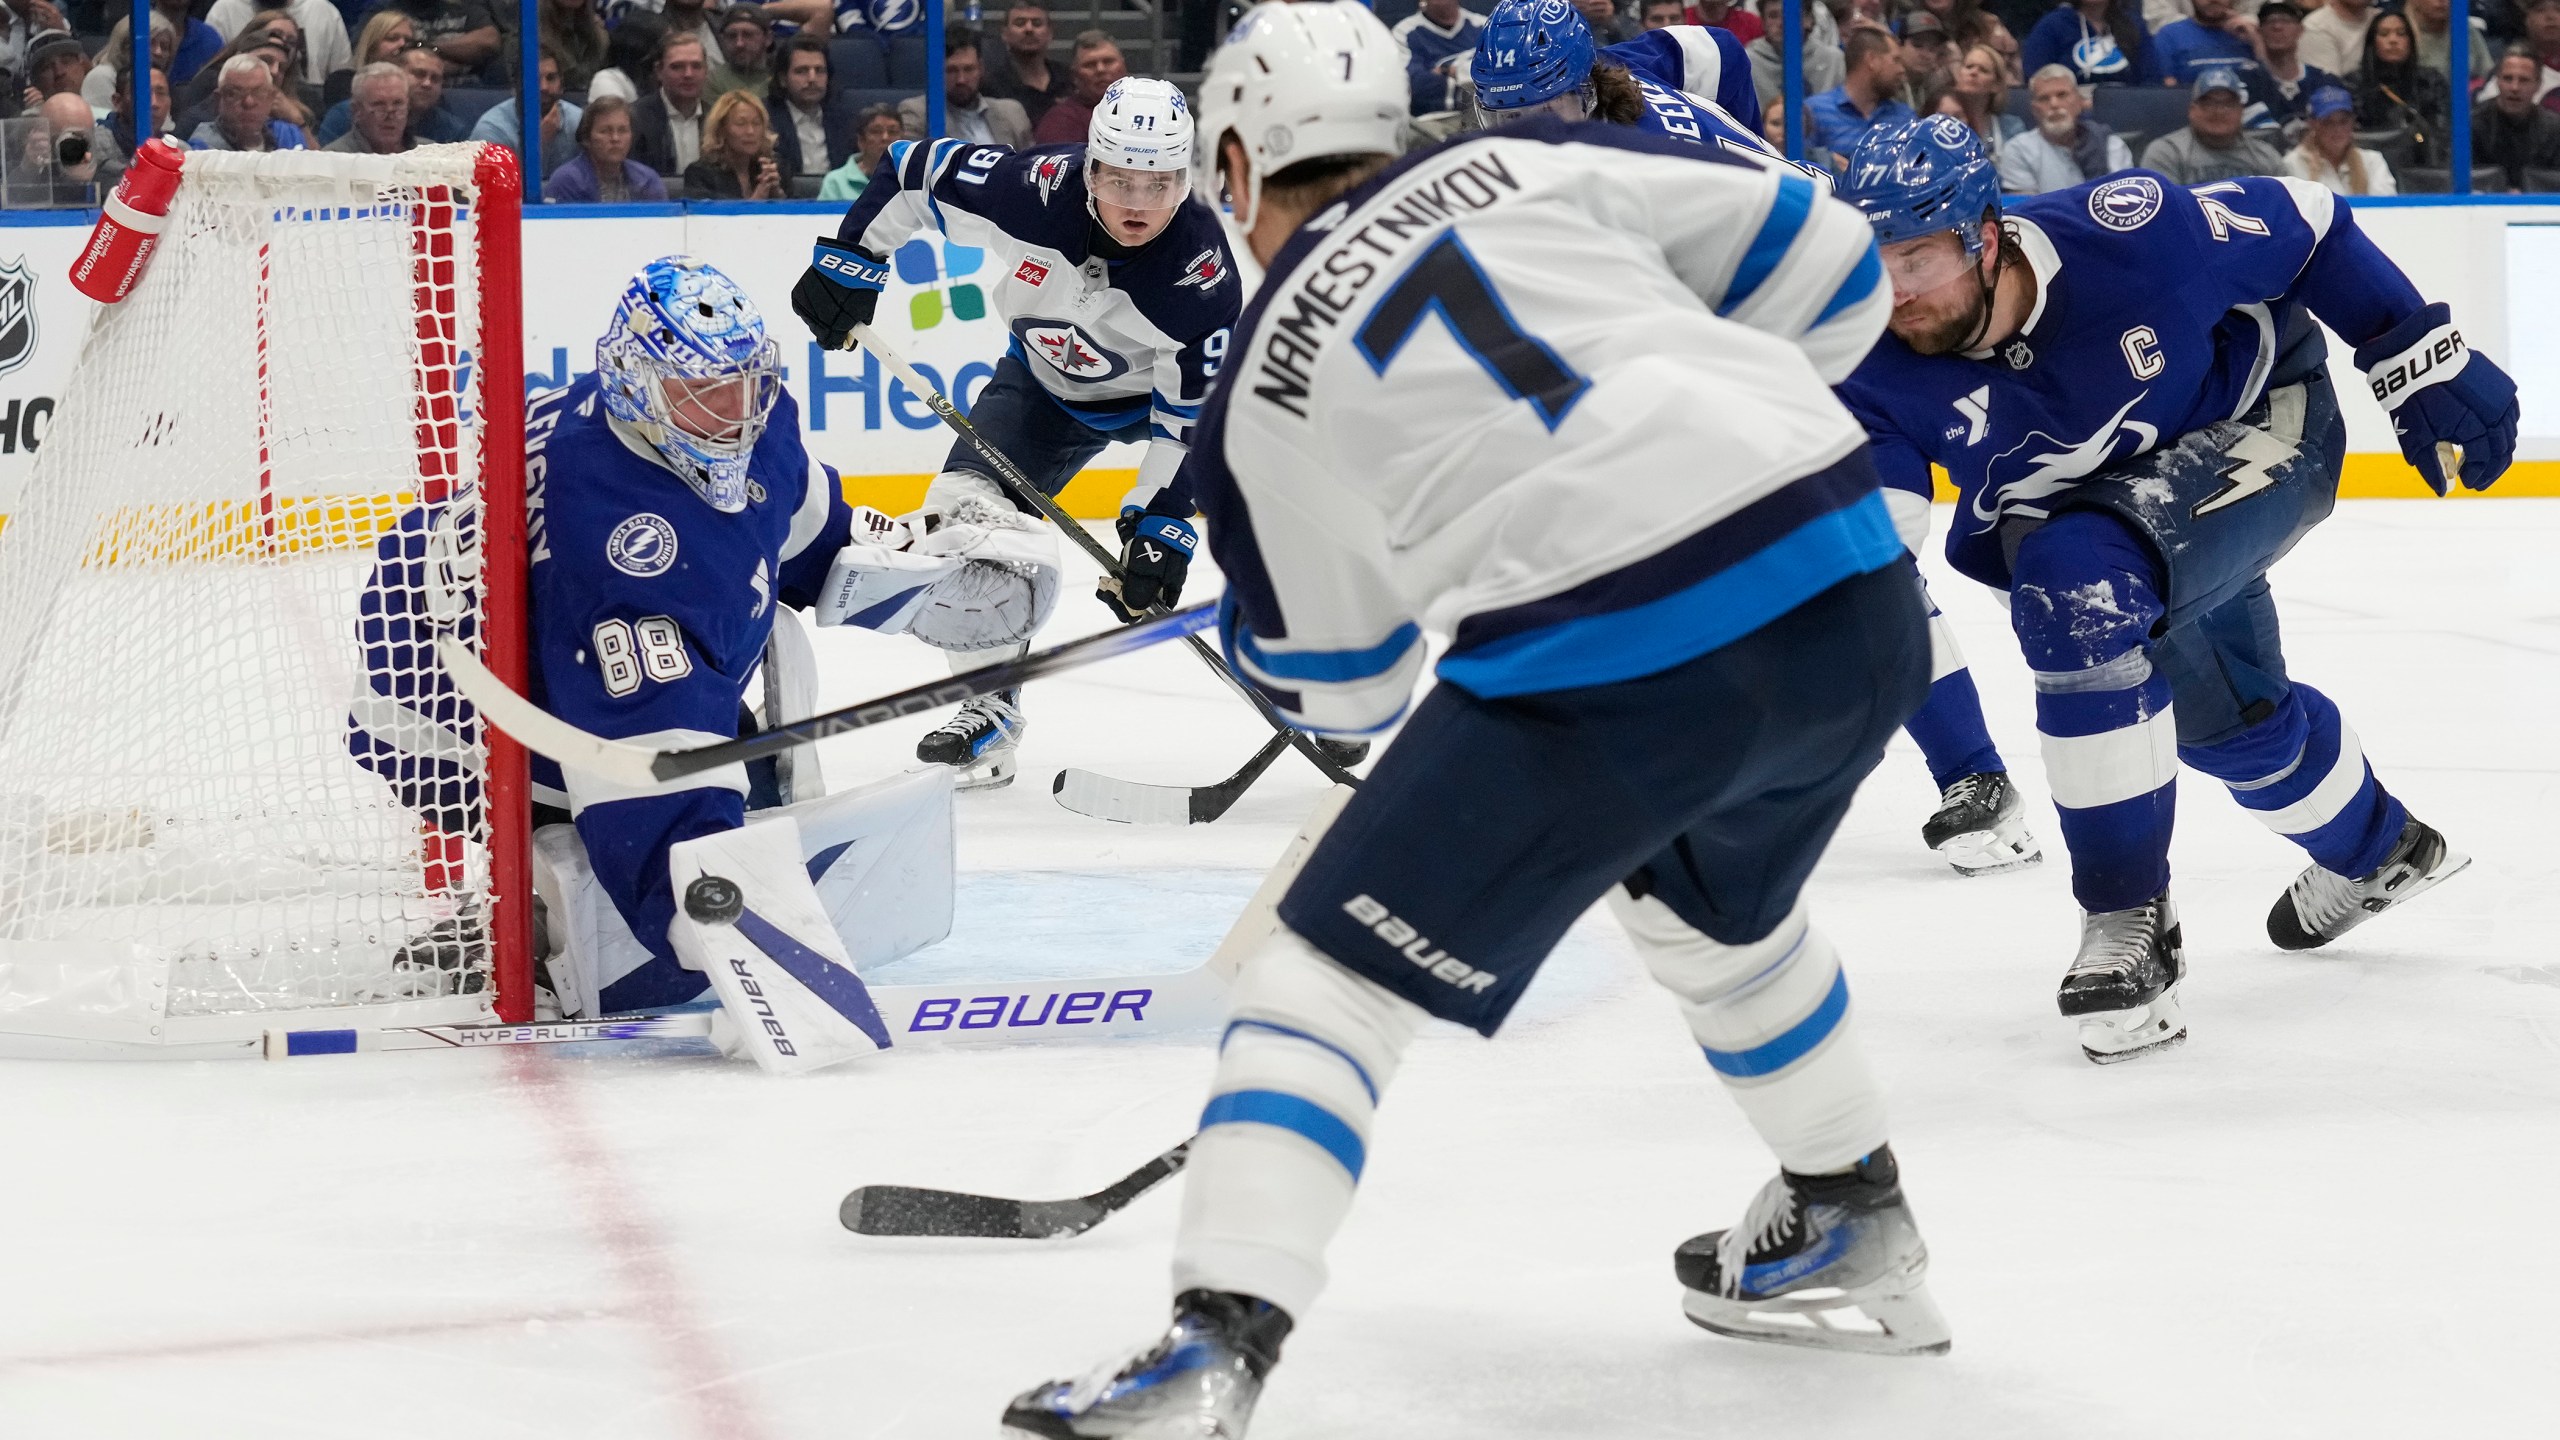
{"x": 1067, "y": 349}
{"x": 2126, "y": 204}
{"x": 642, "y": 546}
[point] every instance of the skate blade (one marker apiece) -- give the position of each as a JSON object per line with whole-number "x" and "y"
{"x": 1897, "y": 1317}
{"x": 1988, "y": 852}
{"x": 988, "y": 773}
{"x": 2117, "y": 1036}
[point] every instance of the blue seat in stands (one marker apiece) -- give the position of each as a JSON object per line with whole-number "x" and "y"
{"x": 468, "y": 101}
{"x": 857, "y": 63}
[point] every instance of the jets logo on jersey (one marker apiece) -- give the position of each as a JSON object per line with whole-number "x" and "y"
{"x": 2126, "y": 204}
{"x": 1031, "y": 272}
{"x": 1048, "y": 173}
{"x": 2056, "y": 469}
{"x": 1068, "y": 350}
{"x": 642, "y": 546}
{"x": 1205, "y": 270}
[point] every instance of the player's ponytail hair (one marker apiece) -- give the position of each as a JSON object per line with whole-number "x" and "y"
{"x": 1615, "y": 96}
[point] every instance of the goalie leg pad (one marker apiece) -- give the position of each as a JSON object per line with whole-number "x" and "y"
{"x": 1286, "y": 1130}
{"x": 1773, "y": 1017}
{"x": 751, "y": 921}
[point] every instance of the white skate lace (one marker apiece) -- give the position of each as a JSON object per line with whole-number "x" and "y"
{"x": 1971, "y": 790}
{"x": 2325, "y": 902}
{"x": 1771, "y": 1218}
{"x": 2115, "y": 943}
{"x": 1005, "y": 718}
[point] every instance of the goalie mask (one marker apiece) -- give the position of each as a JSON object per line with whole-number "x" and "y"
{"x": 687, "y": 364}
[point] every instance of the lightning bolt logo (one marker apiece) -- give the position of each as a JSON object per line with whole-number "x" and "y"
{"x": 2254, "y": 458}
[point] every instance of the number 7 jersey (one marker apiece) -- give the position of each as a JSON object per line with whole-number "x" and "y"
{"x": 1559, "y": 391}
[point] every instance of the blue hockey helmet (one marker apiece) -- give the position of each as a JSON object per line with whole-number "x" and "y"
{"x": 686, "y": 363}
{"x": 1531, "y": 51}
{"x": 1918, "y": 177}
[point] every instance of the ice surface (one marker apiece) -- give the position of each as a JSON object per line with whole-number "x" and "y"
{"x": 2328, "y": 1215}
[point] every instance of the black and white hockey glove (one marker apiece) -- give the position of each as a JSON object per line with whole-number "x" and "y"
{"x": 840, "y": 289}
{"x": 2440, "y": 393}
{"x": 1155, "y": 556}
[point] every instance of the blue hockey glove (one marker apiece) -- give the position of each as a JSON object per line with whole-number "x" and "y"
{"x": 839, "y": 290}
{"x": 1155, "y": 555}
{"x": 2439, "y": 392}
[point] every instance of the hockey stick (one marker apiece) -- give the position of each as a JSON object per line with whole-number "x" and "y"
{"x": 956, "y": 1214}
{"x": 1130, "y": 802}
{"x": 625, "y": 763}
{"x": 1031, "y": 495}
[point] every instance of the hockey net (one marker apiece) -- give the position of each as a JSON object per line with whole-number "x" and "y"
{"x": 187, "y": 848}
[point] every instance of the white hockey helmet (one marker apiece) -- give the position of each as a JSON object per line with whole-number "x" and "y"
{"x": 1300, "y": 82}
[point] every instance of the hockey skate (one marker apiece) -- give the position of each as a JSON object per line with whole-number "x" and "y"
{"x": 2321, "y": 905}
{"x": 2123, "y": 986}
{"x": 450, "y": 957}
{"x": 1829, "y": 1261}
{"x": 979, "y": 741}
{"x": 1197, "y": 1383}
{"x": 1981, "y": 827}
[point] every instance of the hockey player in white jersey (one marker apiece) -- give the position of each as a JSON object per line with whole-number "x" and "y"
{"x": 1467, "y": 395}
{"x": 1119, "y": 293}
{"x": 1539, "y": 57}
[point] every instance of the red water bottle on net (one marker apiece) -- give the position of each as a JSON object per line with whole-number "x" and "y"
{"x": 129, "y": 230}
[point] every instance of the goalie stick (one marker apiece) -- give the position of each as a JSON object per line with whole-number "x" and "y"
{"x": 1031, "y": 495}
{"x": 625, "y": 763}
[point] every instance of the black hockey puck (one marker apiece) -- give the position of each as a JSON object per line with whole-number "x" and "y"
{"x": 714, "y": 900}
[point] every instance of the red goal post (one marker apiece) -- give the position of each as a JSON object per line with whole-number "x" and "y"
{"x": 233, "y": 787}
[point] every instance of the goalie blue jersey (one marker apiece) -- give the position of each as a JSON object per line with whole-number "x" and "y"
{"x": 649, "y": 611}
{"x": 2160, "y": 310}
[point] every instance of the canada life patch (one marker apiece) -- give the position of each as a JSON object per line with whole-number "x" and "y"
{"x": 1205, "y": 270}
{"x": 1068, "y": 350}
{"x": 642, "y": 546}
{"x": 1031, "y": 272}
{"x": 2126, "y": 204}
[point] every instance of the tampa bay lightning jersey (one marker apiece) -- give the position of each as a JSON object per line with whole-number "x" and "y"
{"x": 2159, "y": 310}
{"x": 1700, "y": 60}
{"x": 1114, "y": 341}
{"x": 1560, "y": 392}
{"x": 648, "y": 612}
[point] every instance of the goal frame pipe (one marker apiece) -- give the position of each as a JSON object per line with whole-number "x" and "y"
{"x": 499, "y": 183}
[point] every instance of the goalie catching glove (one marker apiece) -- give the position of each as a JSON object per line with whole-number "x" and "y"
{"x": 840, "y": 289}
{"x": 1155, "y": 557}
{"x": 978, "y": 576}
{"x": 2439, "y": 393}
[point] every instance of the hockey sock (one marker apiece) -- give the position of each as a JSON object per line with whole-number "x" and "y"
{"x": 1773, "y": 1018}
{"x": 2302, "y": 772}
{"x": 1286, "y": 1131}
{"x": 1949, "y": 728}
{"x": 2083, "y": 600}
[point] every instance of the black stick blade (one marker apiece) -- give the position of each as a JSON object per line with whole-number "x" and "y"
{"x": 953, "y": 1214}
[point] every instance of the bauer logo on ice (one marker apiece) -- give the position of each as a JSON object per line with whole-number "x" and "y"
{"x": 643, "y": 545}
{"x": 17, "y": 315}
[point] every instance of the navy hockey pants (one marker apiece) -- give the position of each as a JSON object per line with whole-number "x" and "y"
{"x": 1491, "y": 825}
{"x": 2143, "y": 609}
{"x": 1041, "y": 437}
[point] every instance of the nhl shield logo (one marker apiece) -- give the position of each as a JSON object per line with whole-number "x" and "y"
{"x": 17, "y": 315}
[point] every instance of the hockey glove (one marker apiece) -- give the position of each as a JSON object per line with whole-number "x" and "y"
{"x": 2439, "y": 392}
{"x": 1155, "y": 555}
{"x": 839, "y": 290}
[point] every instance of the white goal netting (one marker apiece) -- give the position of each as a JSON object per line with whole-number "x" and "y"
{"x": 187, "y": 584}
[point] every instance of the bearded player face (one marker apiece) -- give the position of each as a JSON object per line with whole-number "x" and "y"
{"x": 1939, "y": 292}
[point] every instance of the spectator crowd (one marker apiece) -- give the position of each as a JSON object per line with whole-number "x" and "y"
{"x": 650, "y": 100}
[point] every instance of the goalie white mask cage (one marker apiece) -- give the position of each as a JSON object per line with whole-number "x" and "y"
{"x": 189, "y": 851}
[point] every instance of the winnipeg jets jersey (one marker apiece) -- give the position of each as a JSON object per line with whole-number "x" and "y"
{"x": 1114, "y": 341}
{"x": 649, "y": 610}
{"x": 2159, "y": 310}
{"x": 1700, "y": 60}
{"x": 1558, "y": 391}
